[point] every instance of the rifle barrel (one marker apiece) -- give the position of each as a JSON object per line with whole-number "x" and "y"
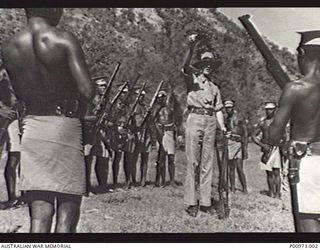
{"x": 136, "y": 102}
{"x": 153, "y": 100}
{"x": 105, "y": 110}
{"x": 273, "y": 65}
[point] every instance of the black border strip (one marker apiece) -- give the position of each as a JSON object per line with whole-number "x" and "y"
{"x": 156, "y": 4}
{"x": 162, "y": 238}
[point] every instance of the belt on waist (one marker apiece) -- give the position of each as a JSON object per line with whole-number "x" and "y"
{"x": 68, "y": 108}
{"x": 309, "y": 148}
{"x": 166, "y": 127}
{"x": 201, "y": 111}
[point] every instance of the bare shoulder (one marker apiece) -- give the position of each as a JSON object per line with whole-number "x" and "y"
{"x": 62, "y": 36}
{"x": 295, "y": 90}
{"x": 15, "y": 39}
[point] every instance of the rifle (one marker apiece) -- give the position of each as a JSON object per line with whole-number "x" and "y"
{"x": 124, "y": 140}
{"x": 148, "y": 112}
{"x": 153, "y": 100}
{"x": 281, "y": 78}
{"x": 103, "y": 101}
{"x": 135, "y": 103}
{"x": 107, "y": 110}
{"x": 223, "y": 205}
{"x": 273, "y": 65}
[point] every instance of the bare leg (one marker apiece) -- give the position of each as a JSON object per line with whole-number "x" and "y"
{"x": 144, "y": 168}
{"x": 232, "y": 165}
{"x": 68, "y": 212}
{"x": 115, "y": 166}
{"x": 163, "y": 155}
{"x": 10, "y": 174}
{"x": 41, "y": 209}
{"x": 127, "y": 169}
{"x": 172, "y": 170}
{"x": 242, "y": 176}
{"x": 134, "y": 160}
{"x": 270, "y": 183}
{"x": 88, "y": 160}
{"x": 101, "y": 169}
{"x": 158, "y": 167}
{"x": 277, "y": 182}
{"x": 133, "y": 168}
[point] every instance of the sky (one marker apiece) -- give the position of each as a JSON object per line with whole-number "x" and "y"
{"x": 279, "y": 24}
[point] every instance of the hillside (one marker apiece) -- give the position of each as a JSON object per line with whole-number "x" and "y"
{"x": 152, "y": 42}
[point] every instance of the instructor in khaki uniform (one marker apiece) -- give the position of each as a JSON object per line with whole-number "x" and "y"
{"x": 205, "y": 109}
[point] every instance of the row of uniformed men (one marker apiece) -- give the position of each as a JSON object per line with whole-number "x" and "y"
{"x": 129, "y": 139}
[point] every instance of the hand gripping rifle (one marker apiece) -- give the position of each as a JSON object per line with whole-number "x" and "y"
{"x": 273, "y": 65}
{"x": 148, "y": 112}
{"x": 108, "y": 109}
{"x": 106, "y": 133}
{"x": 124, "y": 140}
{"x": 103, "y": 101}
{"x": 223, "y": 204}
{"x": 281, "y": 78}
{"x": 135, "y": 103}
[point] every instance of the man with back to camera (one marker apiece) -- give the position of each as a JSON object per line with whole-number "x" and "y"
{"x": 300, "y": 104}
{"x": 205, "y": 110}
{"x": 55, "y": 86}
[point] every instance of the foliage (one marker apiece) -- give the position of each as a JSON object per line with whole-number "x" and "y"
{"x": 152, "y": 43}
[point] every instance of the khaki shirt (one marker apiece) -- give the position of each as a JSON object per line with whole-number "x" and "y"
{"x": 203, "y": 93}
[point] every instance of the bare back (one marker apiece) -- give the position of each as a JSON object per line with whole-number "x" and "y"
{"x": 300, "y": 102}
{"x": 42, "y": 66}
{"x": 305, "y": 119}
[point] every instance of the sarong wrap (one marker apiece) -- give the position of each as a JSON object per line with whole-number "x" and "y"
{"x": 234, "y": 150}
{"x": 273, "y": 162}
{"x": 52, "y": 155}
{"x": 308, "y": 188}
{"x": 168, "y": 142}
{"x": 13, "y": 140}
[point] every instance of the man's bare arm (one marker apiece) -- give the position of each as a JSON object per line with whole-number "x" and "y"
{"x": 186, "y": 68}
{"x": 245, "y": 139}
{"x": 257, "y": 132}
{"x": 288, "y": 98}
{"x": 220, "y": 120}
{"x": 79, "y": 68}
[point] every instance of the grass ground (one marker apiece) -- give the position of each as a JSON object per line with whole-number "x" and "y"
{"x": 159, "y": 210}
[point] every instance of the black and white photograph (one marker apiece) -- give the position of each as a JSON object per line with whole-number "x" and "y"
{"x": 160, "y": 120}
